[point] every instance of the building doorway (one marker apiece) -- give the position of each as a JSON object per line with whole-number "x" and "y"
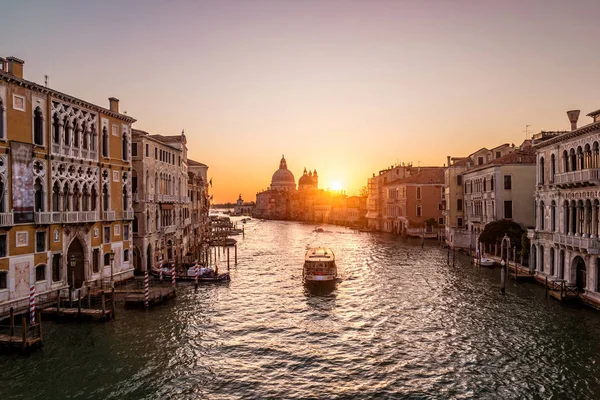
{"x": 149, "y": 258}
{"x": 580, "y": 273}
{"x": 75, "y": 264}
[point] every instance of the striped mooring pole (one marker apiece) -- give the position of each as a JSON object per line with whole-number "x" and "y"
{"x": 160, "y": 273}
{"x": 146, "y": 289}
{"x": 32, "y": 305}
{"x": 196, "y": 275}
{"x": 173, "y": 275}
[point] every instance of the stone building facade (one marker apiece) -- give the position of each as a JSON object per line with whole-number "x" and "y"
{"x": 65, "y": 189}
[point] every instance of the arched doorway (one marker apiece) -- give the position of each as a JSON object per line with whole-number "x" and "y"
{"x": 137, "y": 260}
{"x": 149, "y": 258}
{"x": 75, "y": 264}
{"x": 580, "y": 273}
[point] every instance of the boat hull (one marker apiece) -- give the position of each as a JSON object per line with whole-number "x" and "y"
{"x": 224, "y": 277}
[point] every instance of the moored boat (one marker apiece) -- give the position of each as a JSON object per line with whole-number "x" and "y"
{"x": 319, "y": 266}
{"x": 204, "y": 275}
{"x": 485, "y": 262}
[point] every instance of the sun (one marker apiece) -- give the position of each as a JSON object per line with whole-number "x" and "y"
{"x": 336, "y": 185}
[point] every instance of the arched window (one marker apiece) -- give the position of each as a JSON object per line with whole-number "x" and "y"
{"x": 94, "y": 199}
{"x": 157, "y": 220}
{"x": 125, "y": 198}
{"x": 2, "y": 196}
{"x": 55, "y": 129}
{"x": 135, "y": 224}
{"x": 76, "y": 133}
{"x": 573, "y": 159}
{"x": 104, "y": 142}
{"x": 565, "y": 161}
{"x": 67, "y": 131}
{"x": 76, "y": 198}
{"x": 541, "y": 263}
{"x": 38, "y": 195}
{"x": 595, "y": 156}
{"x": 2, "y": 134}
{"x": 86, "y": 136}
{"x": 93, "y": 139}
{"x": 38, "y": 127}
{"x": 55, "y": 197}
{"x": 552, "y": 168}
{"x": 66, "y": 196}
{"x": 125, "y": 147}
{"x": 147, "y": 221}
{"x": 419, "y": 211}
{"x": 552, "y": 260}
{"x": 85, "y": 199}
{"x": 580, "y": 159}
{"x": 541, "y": 176}
{"x": 553, "y": 216}
{"x": 105, "y": 198}
{"x": 541, "y": 215}
{"x": 587, "y": 156}
{"x": 418, "y": 193}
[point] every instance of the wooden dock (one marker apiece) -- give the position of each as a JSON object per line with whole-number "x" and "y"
{"x": 156, "y": 295}
{"x": 99, "y": 306}
{"x": 22, "y": 337}
{"x": 78, "y": 313}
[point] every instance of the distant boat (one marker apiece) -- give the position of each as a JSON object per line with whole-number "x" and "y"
{"x": 485, "y": 262}
{"x": 319, "y": 229}
{"x": 319, "y": 266}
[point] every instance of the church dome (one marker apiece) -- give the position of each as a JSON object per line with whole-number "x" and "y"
{"x": 283, "y": 177}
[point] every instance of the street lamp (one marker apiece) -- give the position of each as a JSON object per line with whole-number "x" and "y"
{"x": 111, "y": 257}
{"x": 73, "y": 262}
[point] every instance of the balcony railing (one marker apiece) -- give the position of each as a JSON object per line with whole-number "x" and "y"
{"x": 43, "y": 217}
{"x": 185, "y": 199}
{"x": 62, "y": 150}
{"x": 66, "y": 217}
{"x": 584, "y": 177}
{"x": 592, "y": 245}
{"x": 108, "y": 215}
{"x": 128, "y": 214}
{"x": 6, "y": 219}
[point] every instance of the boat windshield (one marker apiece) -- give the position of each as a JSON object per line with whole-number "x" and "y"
{"x": 320, "y": 268}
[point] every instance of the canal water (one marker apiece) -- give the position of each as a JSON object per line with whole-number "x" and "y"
{"x": 402, "y": 324}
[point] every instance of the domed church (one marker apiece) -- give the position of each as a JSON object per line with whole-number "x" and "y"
{"x": 308, "y": 180}
{"x": 283, "y": 179}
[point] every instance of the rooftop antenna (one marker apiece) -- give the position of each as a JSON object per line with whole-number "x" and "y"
{"x": 526, "y": 131}
{"x": 46, "y": 80}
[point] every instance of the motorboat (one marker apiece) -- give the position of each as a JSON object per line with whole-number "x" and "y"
{"x": 319, "y": 266}
{"x": 319, "y": 229}
{"x": 485, "y": 262}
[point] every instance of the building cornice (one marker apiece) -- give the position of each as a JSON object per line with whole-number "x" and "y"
{"x": 594, "y": 126}
{"x": 9, "y": 78}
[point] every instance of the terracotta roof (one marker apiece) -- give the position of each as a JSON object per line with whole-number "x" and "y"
{"x": 521, "y": 156}
{"x": 460, "y": 161}
{"x": 162, "y": 138}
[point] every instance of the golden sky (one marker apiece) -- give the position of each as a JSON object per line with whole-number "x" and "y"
{"x": 346, "y": 87}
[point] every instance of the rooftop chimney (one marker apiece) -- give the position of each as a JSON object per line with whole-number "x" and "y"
{"x": 114, "y": 104}
{"x": 448, "y": 160}
{"x": 15, "y": 66}
{"x": 573, "y": 117}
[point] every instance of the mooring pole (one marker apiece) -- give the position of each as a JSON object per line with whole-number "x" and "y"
{"x": 79, "y": 302}
{"x": 235, "y": 254}
{"x": 502, "y": 276}
{"x": 12, "y": 322}
{"x": 227, "y": 258}
{"x": 453, "y": 256}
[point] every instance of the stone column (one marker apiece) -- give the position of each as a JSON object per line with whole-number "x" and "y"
{"x": 586, "y": 220}
{"x": 592, "y": 274}
{"x": 594, "y": 230}
{"x": 571, "y": 219}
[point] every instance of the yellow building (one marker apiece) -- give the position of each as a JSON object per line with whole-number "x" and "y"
{"x": 65, "y": 189}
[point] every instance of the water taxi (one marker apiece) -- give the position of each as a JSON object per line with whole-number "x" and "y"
{"x": 319, "y": 266}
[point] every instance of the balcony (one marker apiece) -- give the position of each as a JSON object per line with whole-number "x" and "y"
{"x": 108, "y": 215}
{"x": 592, "y": 245}
{"x": 128, "y": 214}
{"x": 6, "y": 219}
{"x": 43, "y": 217}
{"x": 168, "y": 229}
{"x": 585, "y": 177}
{"x": 185, "y": 199}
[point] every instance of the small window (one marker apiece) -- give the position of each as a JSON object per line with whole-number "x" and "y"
{"x": 498, "y": 155}
{"x": 156, "y": 153}
{"x": 106, "y": 259}
{"x": 3, "y": 245}
{"x": 40, "y": 273}
{"x": 147, "y": 150}
{"x": 96, "y": 260}
{"x": 133, "y": 149}
{"x": 3, "y": 280}
{"x": 107, "y": 234}
{"x": 459, "y": 180}
{"x": 40, "y": 242}
{"x": 459, "y": 222}
{"x": 56, "y": 267}
{"x": 507, "y": 182}
{"x": 418, "y": 211}
{"x": 441, "y": 220}
{"x": 459, "y": 204}
{"x": 418, "y": 193}
{"x": 126, "y": 255}
{"x": 126, "y": 232}
{"x": 479, "y": 160}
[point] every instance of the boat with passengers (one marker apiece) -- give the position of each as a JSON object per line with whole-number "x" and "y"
{"x": 319, "y": 266}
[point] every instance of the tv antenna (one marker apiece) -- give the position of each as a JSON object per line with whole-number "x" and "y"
{"x": 526, "y": 131}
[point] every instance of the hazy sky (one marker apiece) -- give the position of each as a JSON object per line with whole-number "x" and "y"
{"x": 346, "y": 87}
